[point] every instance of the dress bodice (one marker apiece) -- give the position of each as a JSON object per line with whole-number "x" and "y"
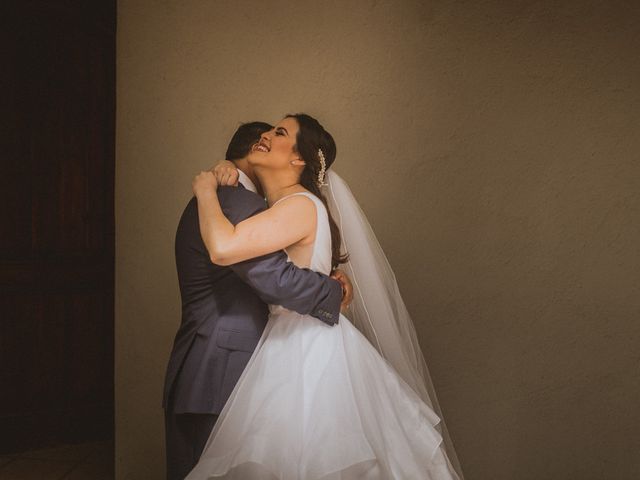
{"x": 321, "y": 256}
{"x": 321, "y": 251}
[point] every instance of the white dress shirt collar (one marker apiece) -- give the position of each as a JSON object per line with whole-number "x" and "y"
{"x": 246, "y": 181}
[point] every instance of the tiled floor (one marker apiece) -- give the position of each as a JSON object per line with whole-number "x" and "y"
{"x": 87, "y": 461}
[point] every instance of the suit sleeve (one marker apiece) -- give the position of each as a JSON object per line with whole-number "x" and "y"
{"x": 276, "y": 280}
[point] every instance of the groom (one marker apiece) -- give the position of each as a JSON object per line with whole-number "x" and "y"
{"x": 224, "y": 311}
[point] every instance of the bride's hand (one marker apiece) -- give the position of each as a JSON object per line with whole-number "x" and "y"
{"x": 226, "y": 173}
{"x": 204, "y": 183}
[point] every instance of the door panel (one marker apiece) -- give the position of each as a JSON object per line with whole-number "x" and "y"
{"x": 56, "y": 206}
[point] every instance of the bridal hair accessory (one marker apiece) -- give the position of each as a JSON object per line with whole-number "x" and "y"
{"x": 323, "y": 169}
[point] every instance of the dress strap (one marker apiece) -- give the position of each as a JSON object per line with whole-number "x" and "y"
{"x": 306, "y": 194}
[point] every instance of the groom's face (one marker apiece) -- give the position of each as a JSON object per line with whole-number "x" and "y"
{"x": 276, "y": 148}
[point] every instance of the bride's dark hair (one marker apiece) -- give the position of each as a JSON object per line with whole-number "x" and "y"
{"x": 313, "y": 137}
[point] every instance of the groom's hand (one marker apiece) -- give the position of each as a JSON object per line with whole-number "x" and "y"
{"x": 347, "y": 288}
{"x": 226, "y": 173}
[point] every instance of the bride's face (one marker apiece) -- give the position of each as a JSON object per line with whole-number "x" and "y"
{"x": 276, "y": 148}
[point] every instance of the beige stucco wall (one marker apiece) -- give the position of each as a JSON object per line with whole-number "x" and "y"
{"x": 494, "y": 147}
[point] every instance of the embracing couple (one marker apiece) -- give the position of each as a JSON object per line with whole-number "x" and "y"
{"x": 267, "y": 379}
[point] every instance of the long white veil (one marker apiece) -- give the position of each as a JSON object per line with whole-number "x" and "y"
{"x": 378, "y": 310}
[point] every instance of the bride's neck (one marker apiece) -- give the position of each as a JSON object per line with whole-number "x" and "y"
{"x": 277, "y": 185}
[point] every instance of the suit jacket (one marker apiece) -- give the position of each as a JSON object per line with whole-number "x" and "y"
{"x": 224, "y": 309}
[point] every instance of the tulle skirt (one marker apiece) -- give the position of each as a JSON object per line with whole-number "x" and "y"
{"x": 317, "y": 402}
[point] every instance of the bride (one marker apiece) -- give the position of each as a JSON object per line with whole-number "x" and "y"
{"x": 350, "y": 401}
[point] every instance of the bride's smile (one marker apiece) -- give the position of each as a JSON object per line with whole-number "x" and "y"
{"x": 277, "y": 147}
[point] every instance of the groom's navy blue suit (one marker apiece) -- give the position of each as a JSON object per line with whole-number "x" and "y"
{"x": 224, "y": 311}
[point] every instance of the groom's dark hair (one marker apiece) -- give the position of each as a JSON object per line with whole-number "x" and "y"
{"x": 244, "y": 138}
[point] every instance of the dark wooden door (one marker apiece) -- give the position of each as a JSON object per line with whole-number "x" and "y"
{"x": 57, "y": 222}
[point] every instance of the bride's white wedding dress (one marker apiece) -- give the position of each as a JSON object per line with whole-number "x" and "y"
{"x": 320, "y": 402}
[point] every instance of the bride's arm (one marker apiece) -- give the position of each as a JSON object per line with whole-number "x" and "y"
{"x": 276, "y": 228}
